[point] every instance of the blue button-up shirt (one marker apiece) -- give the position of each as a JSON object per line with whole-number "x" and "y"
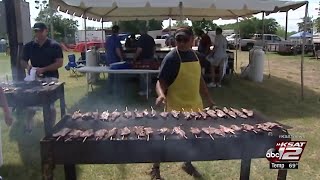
{"x": 112, "y": 43}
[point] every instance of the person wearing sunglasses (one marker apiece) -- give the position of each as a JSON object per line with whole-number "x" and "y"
{"x": 180, "y": 83}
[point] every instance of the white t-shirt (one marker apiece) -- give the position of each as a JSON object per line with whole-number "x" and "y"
{"x": 220, "y": 47}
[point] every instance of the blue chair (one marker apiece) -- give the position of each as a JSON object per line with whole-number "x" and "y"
{"x": 72, "y": 65}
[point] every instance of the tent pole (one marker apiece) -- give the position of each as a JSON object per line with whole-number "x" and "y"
{"x": 236, "y": 43}
{"x": 263, "y": 43}
{"x": 286, "y": 29}
{"x": 303, "y": 48}
{"x": 180, "y": 9}
{"x": 85, "y": 33}
{"x": 102, "y": 30}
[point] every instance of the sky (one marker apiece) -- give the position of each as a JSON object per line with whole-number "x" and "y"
{"x": 293, "y": 18}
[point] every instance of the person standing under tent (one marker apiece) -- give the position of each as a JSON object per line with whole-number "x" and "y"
{"x": 180, "y": 85}
{"x": 219, "y": 59}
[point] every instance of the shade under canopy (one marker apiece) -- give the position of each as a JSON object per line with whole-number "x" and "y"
{"x": 115, "y": 10}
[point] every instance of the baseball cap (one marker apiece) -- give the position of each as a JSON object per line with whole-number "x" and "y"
{"x": 39, "y": 26}
{"x": 184, "y": 31}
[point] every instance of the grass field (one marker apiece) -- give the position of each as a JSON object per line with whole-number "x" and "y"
{"x": 278, "y": 97}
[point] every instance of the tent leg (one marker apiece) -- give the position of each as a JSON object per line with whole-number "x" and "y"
{"x": 303, "y": 48}
{"x": 286, "y": 33}
{"x": 236, "y": 43}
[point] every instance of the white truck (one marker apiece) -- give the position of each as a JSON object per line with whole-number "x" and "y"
{"x": 256, "y": 40}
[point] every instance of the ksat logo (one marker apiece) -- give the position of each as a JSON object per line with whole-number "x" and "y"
{"x": 286, "y": 151}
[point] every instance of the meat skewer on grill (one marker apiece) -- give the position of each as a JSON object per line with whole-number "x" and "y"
{"x": 114, "y": 115}
{"x": 220, "y": 113}
{"x": 111, "y": 133}
{"x": 235, "y": 127}
{"x": 203, "y": 114}
{"x": 239, "y": 113}
{"x": 195, "y": 115}
{"x": 195, "y": 131}
{"x": 75, "y": 133}
{"x": 272, "y": 125}
{"x": 218, "y": 131}
{"x": 249, "y": 113}
{"x": 163, "y": 131}
{"x": 175, "y": 114}
{"x": 153, "y": 113}
{"x": 226, "y": 129}
{"x": 263, "y": 127}
{"x": 138, "y": 114}
{"x": 62, "y": 133}
{"x": 208, "y": 131}
{"x": 87, "y": 116}
{"x": 139, "y": 130}
{"x": 179, "y": 132}
{"x": 187, "y": 115}
{"x": 124, "y": 132}
{"x": 247, "y": 127}
{"x": 148, "y": 131}
{"x": 105, "y": 116}
{"x": 100, "y": 134}
{"x": 76, "y": 115}
{"x": 95, "y": 115}
{"x": 146, "y": 113}
{"x": 230, "y": 113}
{"x": 127, "y": 114}
{"x": 164, "y": 114}
{"x": 85, "y": 134}
{"x": 211, "y": 113}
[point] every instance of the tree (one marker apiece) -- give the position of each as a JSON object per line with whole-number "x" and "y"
{"x": 317, "y": 24}
{"x": 309, "y": 24}
{"x": 281, "y": 31}
{"x": 63, "y": 28}
{"x": 204, "y": 25}
{"x": 136, "y": 25}
{"x": 180, "y": 23}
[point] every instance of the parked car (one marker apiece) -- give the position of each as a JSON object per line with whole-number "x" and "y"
{"x": 232, "y": 44}
{"x": 256, "y": 40}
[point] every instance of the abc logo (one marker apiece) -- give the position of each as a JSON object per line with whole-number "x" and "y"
{"x": 273, "y": 155}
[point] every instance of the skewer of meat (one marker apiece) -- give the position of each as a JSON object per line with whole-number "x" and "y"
{"x": 111, "y": 133}
{"x": 76, "y": 115}
{"x": 179, "y": 132}
{"x": 235, "y": 127}
{"x": 195, "y": 131}
{"x": 127, "y": 114}
{"x": 95, "y": 115}
{"x": 211, "y": 113}
{"x": 139, "y": 130}
{"x": 187, "y": 115}
{"x": 153, "y": 113}
{"x": 86, "y": 134}
{"x": 195, "y": 115}
{"x": 114, "y": 115}
{"x": 203, "y": 114}
{"x": 247, "y": 127}
{"x": 272, "y": 125}
{"x": 99, "y": 134}
{"x": 105, "y": 116}
{"x": 175, "y": 114}
{"x": 218, "y": 131}
{"x": 249, "y": 113}
{"x": 62, "y": 133}
{"x": 208, "y": 131}
{"x": 239, "y": 113}
{"x": 138, "y": 114}
{"x": 263, "y": 127}
{"x": 124, "y": 132}
{"x": 75, "y": 133}
{"x": 164, "y": 114}
{"x": 226, "y": 129}
{"x": 163, "y": 131}
{"x": 220, "y": 113}
{"x": 146, "y": 113}
{"x": 230, "y": 113}
{"x": 148, "y": 131}
{"x": 87, "y": 116}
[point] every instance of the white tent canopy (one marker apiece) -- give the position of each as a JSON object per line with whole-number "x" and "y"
{"x": 115, "y": 10}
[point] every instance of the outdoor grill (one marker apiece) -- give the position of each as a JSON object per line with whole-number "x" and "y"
{"x": 131, "y": 149}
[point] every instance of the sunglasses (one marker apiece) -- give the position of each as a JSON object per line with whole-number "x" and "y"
{"x": 182, "y": 39}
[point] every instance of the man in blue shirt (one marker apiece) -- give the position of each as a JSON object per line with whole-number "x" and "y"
{"x": 113, "y": 47}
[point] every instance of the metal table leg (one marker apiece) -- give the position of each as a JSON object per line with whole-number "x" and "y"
{"x": 62, "y": 103}
{"x": 245, "y": 169}
{"x": 48, "y": 125}
{"x": 70, "y": 172}
{"x": 147, "y": 85}
{"x": 282, "y": 174}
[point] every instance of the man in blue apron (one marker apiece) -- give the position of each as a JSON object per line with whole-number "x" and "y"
{"x": 180, "y": 84}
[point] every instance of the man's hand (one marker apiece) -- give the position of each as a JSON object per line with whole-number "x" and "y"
{"x": 8, "y": 119}
{"x": 40, "y": 71}
{"x": 161, "y": 100}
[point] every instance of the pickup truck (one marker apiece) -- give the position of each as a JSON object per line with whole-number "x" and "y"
{"x": 256, "y": 40}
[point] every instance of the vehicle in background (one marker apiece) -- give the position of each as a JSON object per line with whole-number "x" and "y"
{"x": 232, "y": 41}
{"x": 256, "y": 40}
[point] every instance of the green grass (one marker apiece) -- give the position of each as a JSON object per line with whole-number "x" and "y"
{"x": 278, "y": 97}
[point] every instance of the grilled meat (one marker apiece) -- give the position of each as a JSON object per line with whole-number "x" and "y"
{"x": 226, "y": 129}
{"x": 239, "y": 113}
{"x": 100, "y": 133}
{"x": 95, "y": 115}
{"x": 148, "y": 131}
{"x": 249, "y": 113}
{"x": 195, "y": 115}
{"x": 195, "y": 131}
{"x": 138, "y": 114}
{"x": 263, "y": 127}
{"x": 140, "y": 132}
{"x": 208, "y": 131}
{"x": 175, "y": 114}
{"x": 220, "y": 113}
{"x": 87, "y": 133}
{"x": 87, "y": 116}
{"x": 105, "y": 115}
{"x": 124, "y": 132}
{"x": 146, "y": 112}
{"x": 236, "y": 128}
{"x": 230, "y": 113}
{"x": 127, "y": 114}
{"x": 114, "y": 115}
{"x": 164, "y": 114}
{"x": 163, "y": 131}
{"x": 186, "y": 114}
{"x": 247, "y": 127}
{"x": 179, "y": 132}
{"x": 62, "y": 133}
{"x": 111, "y": 133}
{"x": 272, "y": 125}
{"x": 73, "y": 134}
{"x": 218, "y": 131}
{"x": 76, "y": 115}
{"x": 153, "y": 113}
{"x": 211, "y": 113}
{"x": 203, "y": 114}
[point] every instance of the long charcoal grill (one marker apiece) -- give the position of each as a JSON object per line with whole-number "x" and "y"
{"x": 243, "y": 145}
{"x": 27, "y": 94}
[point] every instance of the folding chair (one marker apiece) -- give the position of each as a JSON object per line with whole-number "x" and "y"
{"x": 72, "y": 65}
